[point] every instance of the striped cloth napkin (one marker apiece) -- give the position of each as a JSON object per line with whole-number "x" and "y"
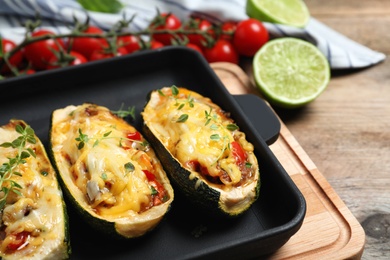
{"x": 342, "y": 53}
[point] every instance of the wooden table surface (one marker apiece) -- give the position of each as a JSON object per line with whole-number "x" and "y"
{"x": 346, "y": 131}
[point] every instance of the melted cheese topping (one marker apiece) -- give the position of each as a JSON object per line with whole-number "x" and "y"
{"x": 38, "y": 211}
{"x": 100, "y": 170}
{"x": 203, "y": 137}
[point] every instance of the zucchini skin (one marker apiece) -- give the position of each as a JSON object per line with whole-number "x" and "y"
{"x": 110, "y": 228}
{"x": 63, "y": 250}
{"x": 194, "y": 187}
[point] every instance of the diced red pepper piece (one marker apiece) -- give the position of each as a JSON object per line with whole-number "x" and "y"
{"x": 149, "y": 175}
{"x": 20, "y": 239}
{"x": 238, "y": 153}
{"x": 159, "y": 197}
{"x": 136, "y": 136}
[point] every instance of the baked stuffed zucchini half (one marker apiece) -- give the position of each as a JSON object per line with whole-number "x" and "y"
{"x": 202, "y": 149}
{"x": 108, "y": 170}
{"x": 34, "y": 221}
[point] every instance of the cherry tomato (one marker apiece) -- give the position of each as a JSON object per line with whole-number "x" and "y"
{"x": 165, "y": 21}
{"x": 221, "y": 51}
{"x": 249, "y": 36}
{"x": 130, "y": 42}
{"x": 194, "y": 47}
{"x": 238, "y": 152}
{"x": 155, "y": 45}
{"x": 77, "y": 59}
{"x": 228, "y": 29}
{"x": 200, "y": 25}
{"x": 39, "y": 53}
{"x": 15, "y": 60}
{"x": 27, "y": 72}
{"x": 87, "y": 45}
{"x": 104, "y": 54}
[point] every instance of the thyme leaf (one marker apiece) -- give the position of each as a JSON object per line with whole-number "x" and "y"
{"x": 214, "y": 127}
{"x": 248, "y": 165}
{"x": 153, "y": 190}
{"x": 175, "y": 90}
{"x": 182, "y": 118}
{"x": 107, "y": 134}
{"x": 215, "y": 137}
{"x": 232, "y": 127}
{"x": 129, "y": 167}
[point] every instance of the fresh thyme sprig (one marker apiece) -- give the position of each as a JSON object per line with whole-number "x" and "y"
{"x": 215, "y": 125}
{"x": 181, "y": 104}
{"x": 210, "y": 117}
{"x": 84, "y": 139}
{"x": 125, "y": 113}
{"x": 9, "y": 168}
{"x": 225, "y": 146}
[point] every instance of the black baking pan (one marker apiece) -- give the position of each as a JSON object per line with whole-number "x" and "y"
{"x": 185, "y": 233}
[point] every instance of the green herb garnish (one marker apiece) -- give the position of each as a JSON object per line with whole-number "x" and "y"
{"x": 175, "y": 90}
{"x": 182, "y": 118}
{"x": 125, "y": 113}
{"x": 154, "y": 191}
{"x": 9, "y": 168}
{"x": 215, "y": 124}
{"x": 180, "y": 103}
{"x": 84, "y": 138}
{"x": 129, "y": 167}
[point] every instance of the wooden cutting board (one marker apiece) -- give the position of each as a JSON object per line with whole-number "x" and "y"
{"x": 329, "y": 230}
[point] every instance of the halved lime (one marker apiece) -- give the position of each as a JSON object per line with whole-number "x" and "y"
{"x": 288, "y": 12}
{"x": 290, "y": 72}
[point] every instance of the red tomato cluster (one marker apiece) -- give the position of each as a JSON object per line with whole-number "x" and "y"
{"x": 61, "y": 52}
{"x": 226, "y": 42}
{"x": 222, "y": 42}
